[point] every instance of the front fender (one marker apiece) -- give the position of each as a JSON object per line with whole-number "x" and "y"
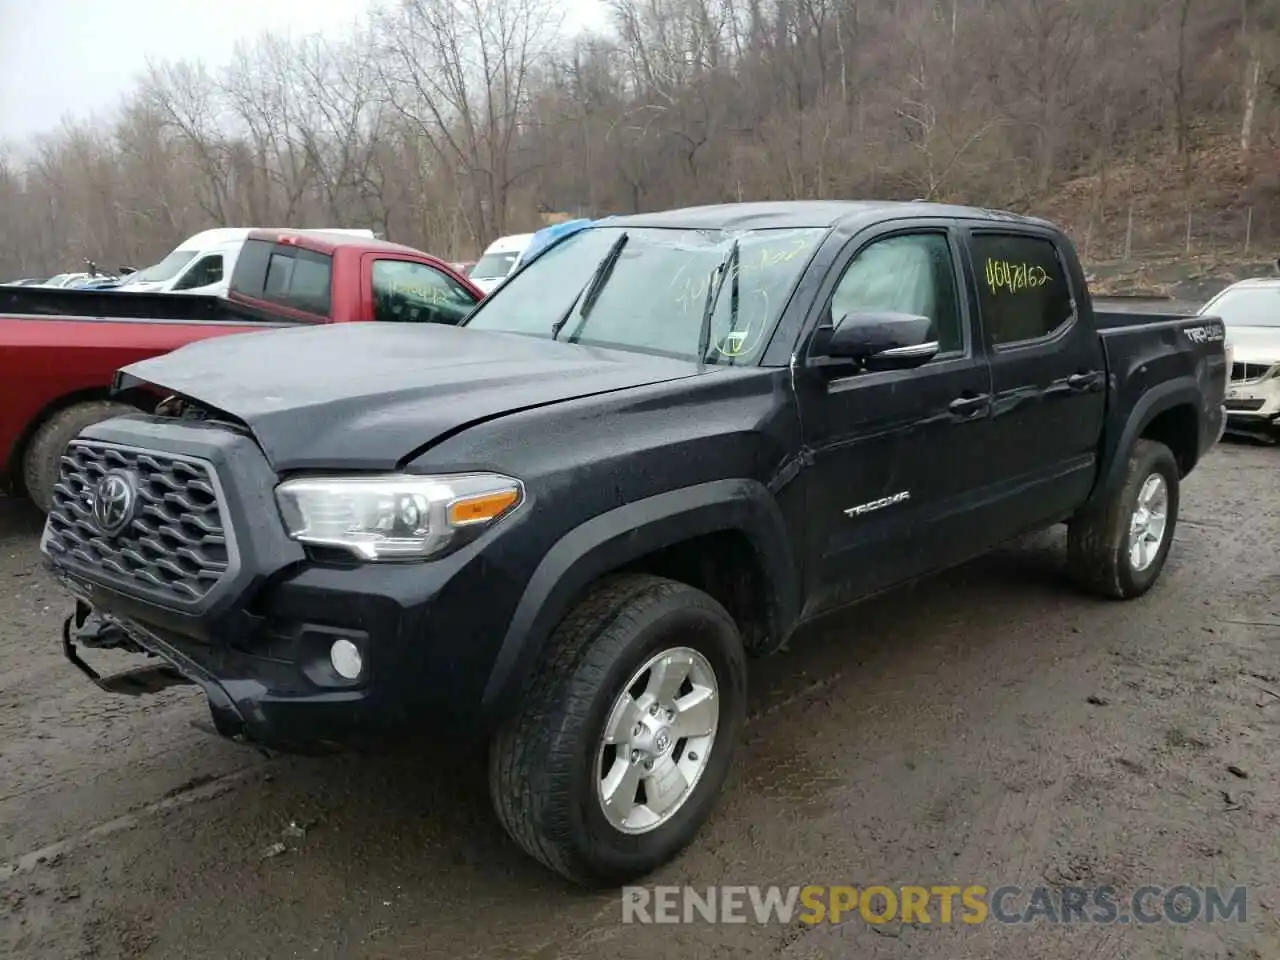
{"x": 619, "y": 536}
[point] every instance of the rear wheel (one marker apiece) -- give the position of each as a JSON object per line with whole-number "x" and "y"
{"x": 1119, "y": 549}
{"x": 41, "y": 461}
{"x": 626, "y": 736}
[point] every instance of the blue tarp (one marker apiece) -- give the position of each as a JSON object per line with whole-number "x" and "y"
{"x": 549, "y": 235}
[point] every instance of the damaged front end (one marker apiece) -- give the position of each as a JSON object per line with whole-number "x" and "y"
{"x": 96, "y": 631}
{"x": 165, "y": 530}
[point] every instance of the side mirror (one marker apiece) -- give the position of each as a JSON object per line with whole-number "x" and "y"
{"x": 882, "y": 341}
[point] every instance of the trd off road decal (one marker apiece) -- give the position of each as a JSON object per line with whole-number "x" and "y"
{"x": 1205, "y": 333}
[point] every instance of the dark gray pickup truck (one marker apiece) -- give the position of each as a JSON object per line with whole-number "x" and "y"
{"x": 656, "y": 450}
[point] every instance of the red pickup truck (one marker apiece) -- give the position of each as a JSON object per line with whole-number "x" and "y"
{"x": 59, "y": 349}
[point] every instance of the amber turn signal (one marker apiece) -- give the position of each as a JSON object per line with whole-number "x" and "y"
{"x": 481, "y": 508}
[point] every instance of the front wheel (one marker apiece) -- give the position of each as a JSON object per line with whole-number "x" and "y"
{"x": 1119, "y": 549}
{"x": 627, "y": 733}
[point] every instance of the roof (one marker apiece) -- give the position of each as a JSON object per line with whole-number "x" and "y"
{"x": 793, "y": 214}
{"x": 214, "y": 236}
{"x": 514, "y": 241}
{"x": 1254, "y": 282}
{"x": 322, "y": 241}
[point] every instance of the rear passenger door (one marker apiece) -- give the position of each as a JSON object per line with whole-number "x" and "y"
{"x": 1047, "y": 375}
{"x": 408, "y": 291}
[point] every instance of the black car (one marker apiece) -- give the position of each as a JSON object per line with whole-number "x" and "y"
{"x": 656, "y": 451}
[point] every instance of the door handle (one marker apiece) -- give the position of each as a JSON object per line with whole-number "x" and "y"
{"x": 968, "y": 407}
{"x": 1084, "y": 381}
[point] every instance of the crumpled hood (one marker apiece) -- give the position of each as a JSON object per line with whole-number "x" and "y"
{"x": 366, "y": 395}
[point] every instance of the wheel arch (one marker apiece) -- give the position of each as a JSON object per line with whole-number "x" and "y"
{"x": 1168, "y": 413}
{"x": 675, "y": 534}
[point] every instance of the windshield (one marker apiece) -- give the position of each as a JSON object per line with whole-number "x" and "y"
{"x": 1248, "y": 307}
{"x": 494, "y": 266}
{"x": 166, "y": 269}
{"x": 653, "y": 298}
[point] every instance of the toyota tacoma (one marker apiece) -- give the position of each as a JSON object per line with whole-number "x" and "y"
{"x": 563, "y": 525}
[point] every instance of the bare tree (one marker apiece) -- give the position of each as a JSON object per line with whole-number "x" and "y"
{"x": 459, "y": 72}
{"x": 185, "y": 96}
{"x": 443, "y": 123}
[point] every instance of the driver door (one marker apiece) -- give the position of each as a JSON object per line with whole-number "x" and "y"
{"x": 899, "y": 460}
{"x": 408, "y": 291}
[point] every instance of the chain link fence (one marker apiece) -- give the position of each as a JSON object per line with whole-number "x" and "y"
{"x": 1132, "y": 234}
{"x": 1188, "y": 255}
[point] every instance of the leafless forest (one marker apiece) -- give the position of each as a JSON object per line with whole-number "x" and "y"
{"x": 444, "y": 123}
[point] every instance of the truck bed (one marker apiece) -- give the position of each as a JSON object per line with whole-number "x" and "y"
{"x": 1151, "y": 343}
{"x": 50, "y": 303}
{"x": 1113, "y": 312}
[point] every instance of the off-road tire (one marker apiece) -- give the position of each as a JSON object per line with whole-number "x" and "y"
{"x": 40, "y": 462}
{"x": 542, "y": 764}
{"x": 1098, "y": 541}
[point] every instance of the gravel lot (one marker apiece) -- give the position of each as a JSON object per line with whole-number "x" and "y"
{"x": 989, "y": 726}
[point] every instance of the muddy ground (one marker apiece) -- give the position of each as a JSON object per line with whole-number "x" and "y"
{"x": 989, "y": 726}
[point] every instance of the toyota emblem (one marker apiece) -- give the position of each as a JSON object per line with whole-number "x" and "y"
{"x": 114, "y": 501}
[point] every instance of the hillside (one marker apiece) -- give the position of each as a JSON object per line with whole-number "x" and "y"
{"x": 1233, "y": 207}
{"x": 445, "y": 123}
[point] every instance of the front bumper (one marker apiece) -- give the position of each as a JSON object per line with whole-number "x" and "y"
{"x": 1255, "y": 403}
{"x": 258, "y": 644}
{"x": 251, "y": 699}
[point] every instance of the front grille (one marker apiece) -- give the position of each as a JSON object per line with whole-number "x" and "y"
{"x": 175, "y": 546}
{"x": 1253, "y": 403}
{"x": 1248, "y": 371}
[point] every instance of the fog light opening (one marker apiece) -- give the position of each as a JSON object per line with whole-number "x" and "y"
{"x": 346, "y": 659}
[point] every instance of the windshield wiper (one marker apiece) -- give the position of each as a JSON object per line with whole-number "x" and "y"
{"x": 730, "y": 262}
{"x": 591, "y": 292}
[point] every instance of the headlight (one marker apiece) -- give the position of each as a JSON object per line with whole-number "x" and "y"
{"x": 399, "y": 517}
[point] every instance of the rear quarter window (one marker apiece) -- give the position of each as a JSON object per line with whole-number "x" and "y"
{"x": 288, "y": 276}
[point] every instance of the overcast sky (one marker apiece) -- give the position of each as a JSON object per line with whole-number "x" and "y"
{"x": 78, "y": 57}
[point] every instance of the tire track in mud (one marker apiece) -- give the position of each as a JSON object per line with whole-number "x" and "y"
{"x": 203, "y": 790}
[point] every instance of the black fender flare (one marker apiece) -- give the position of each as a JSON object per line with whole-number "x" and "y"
{"x": 619, "y": 536}
{"x": 1162, "y": 397}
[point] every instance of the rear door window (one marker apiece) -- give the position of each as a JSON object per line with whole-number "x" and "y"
{"x": 1022, "y": 287}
